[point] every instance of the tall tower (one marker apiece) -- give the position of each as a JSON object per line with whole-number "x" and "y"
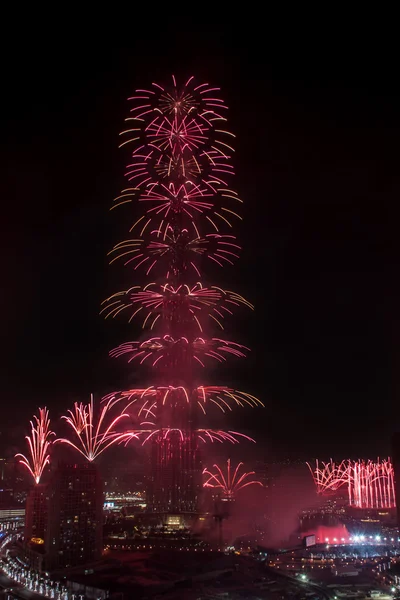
{"x": 178, "y": 173}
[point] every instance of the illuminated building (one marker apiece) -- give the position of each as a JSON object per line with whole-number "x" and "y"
{"x": 178, "y": 174}
{"x": 175, "y": 480}
{"x": 75, "y": 523}
{"x": 36, "y": 513}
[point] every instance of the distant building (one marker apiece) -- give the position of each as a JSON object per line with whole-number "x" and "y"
{"x": 74, "y": 533}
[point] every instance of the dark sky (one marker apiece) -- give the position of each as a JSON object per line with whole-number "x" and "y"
{"x": 318, "y": 167}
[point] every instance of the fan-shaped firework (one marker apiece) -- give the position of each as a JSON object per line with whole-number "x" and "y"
{"x": 369, "y": 484}
{"x": 177, "y": 127}
{"x": 329, "y": 476}
{"x": 179, "y": 173}
{"x": 94, "y": 435}
{"x": 229, "y": 482}
{"x": 199, "y": 206}
{"x": 159, "y": 349}
{"x": 39, "y": 444}
{"x": 147, "y": 399}
{"x": 204, "y": 435}
{"x": 175, "y": 252}
{"x": 194, "y": 303}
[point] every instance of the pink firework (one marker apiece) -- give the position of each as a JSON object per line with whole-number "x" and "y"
{"x": 203, "y": 435}
{"x": 199, "y": 206}
{"x": 179, "y": 174}
{"x": 178, "y": 133}
{"x": 329, "y": 476}
{"x": 230, "y": 482}
{"x": 194, "y": 302}
{"x": 93, "y": 438}
{"x": 161, "y": 251}
{"x": 149, "y": 399}
{"x": 370, "y": 484}
{"x": 157, "y": 349}
{"x": 39, "y": 444}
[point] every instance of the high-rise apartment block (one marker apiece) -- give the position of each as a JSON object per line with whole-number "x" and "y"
{"x": 65, "y": 517}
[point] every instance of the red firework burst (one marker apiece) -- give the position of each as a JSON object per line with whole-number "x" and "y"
{"x": 195, "y": 203}
{"x": 369, "y": 484}
{"x": 94, "y": 435}
{"x": 148, "y": 400}
{"x": 39, "y": 443}
{"x": 158, "y": 349}
{"x": 229, "y": 482}
{"x": 175, "y": 253}
{"x": 195, "y": 303}
{"x": 179, "y": 173}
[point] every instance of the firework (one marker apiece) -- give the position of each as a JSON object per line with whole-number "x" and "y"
{"x": 329, "y": 476}
{"x": 159, "y": 349}
{"x": 179, "y": 174}
{"x": 193, "y": 303}
{"x": 174, "y": 252}
{"x": 166, "y": 433}
{"x": 147, "y": 399}
{"x": 369, "y": 484}
{"x": 93, "y": 438}
{"x": 199, "y": 206}
{"x": 178, "y": 134}
{"x": 230, "y": 482}
{"x": 39, "y": 443}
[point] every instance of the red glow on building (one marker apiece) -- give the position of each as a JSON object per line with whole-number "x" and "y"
{"x": 337, "y": 534}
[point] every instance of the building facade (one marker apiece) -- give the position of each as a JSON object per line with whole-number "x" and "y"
{"x": 75, "y": 518}
{"x": 175, "y": 480}
{"x": 36, "y": 514}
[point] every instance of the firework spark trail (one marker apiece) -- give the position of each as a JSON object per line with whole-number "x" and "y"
{"x": 179, "y": 173}
{"x": 93, "y": 438}
{"x": 369, "y": 484}
{"x": 203, "y": 435}
{"x": 154, "y": 300}
{"x": 39, "y": 444}
{"x": 175, "y": 251}
{"x": 199, "y": 206}
{"x": 229, "y": 483}
{"x": 221, "y": 396}
{"x": 330, "y": 476}
{"x": 158, "y": 349}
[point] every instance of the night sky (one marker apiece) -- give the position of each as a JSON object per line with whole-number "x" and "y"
{"x": 317, "y": 164}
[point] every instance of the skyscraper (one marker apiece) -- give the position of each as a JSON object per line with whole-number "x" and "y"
{"x": 75, "y": 521}
{"x": 36, "y": 514}
{"x": 178, "y": 174}
{"x": 175, "y": 479}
